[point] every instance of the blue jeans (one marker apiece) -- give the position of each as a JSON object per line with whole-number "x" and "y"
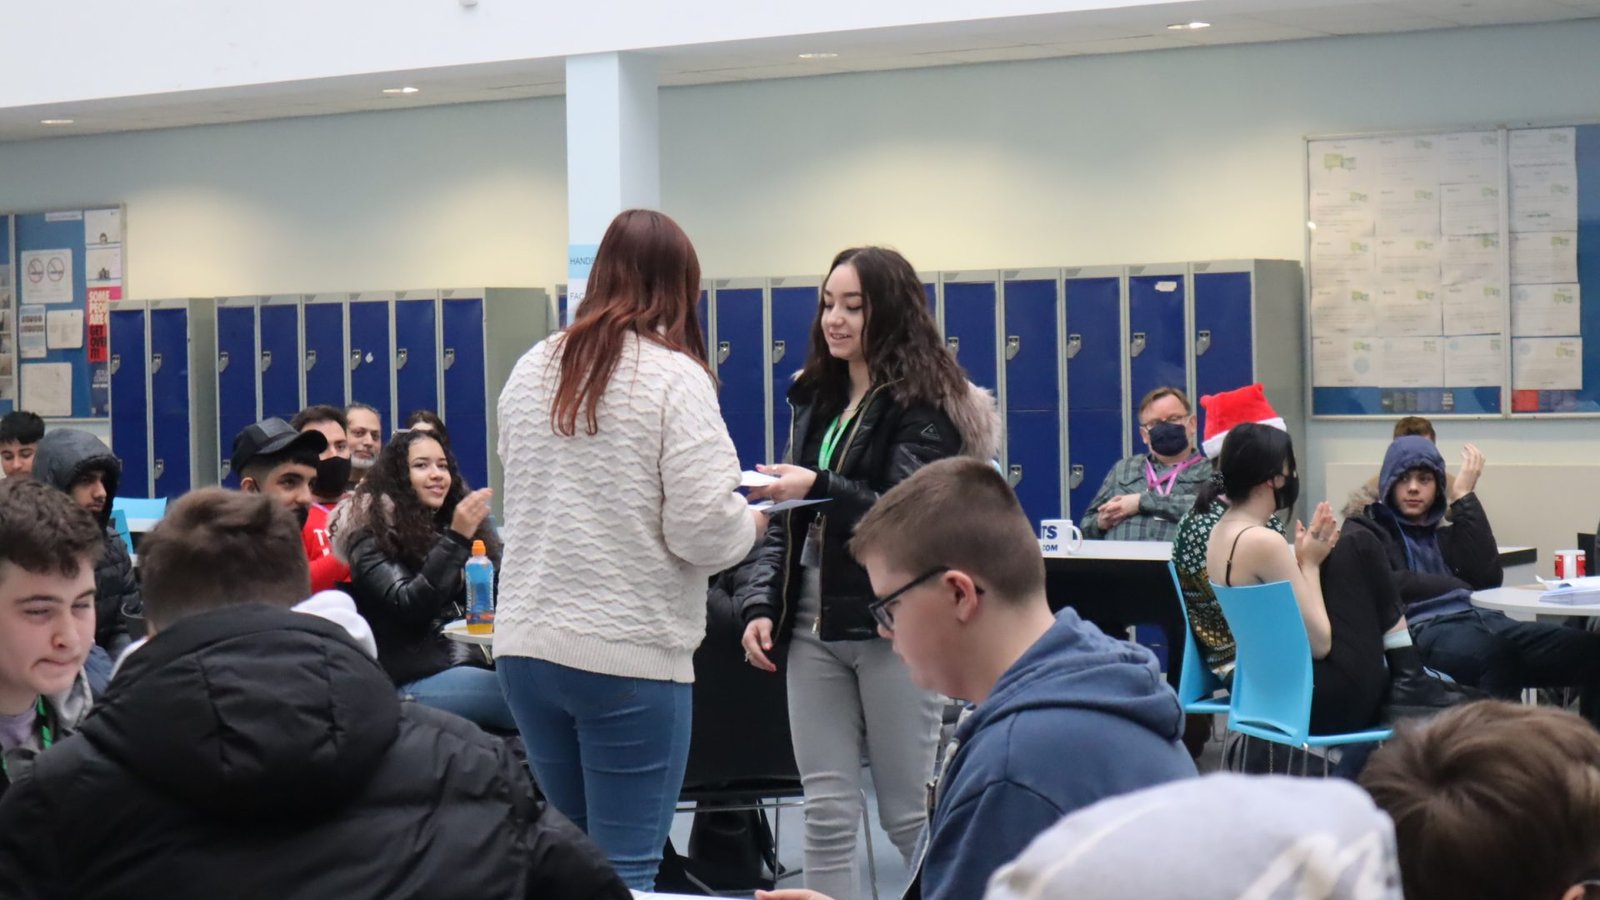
{"x": 1500, "y": 655}
{"x": 609, "y": 753}
{"x": 469, "y": 692}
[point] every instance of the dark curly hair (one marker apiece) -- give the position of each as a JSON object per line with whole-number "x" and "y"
{"x": 402, "y": 527}
{"x": 900, "y": 338}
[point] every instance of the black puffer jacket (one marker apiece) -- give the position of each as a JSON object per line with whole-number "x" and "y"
{"x": 63, "y": 455}
{"x": 255, "y": 752}
{"x": 885, "y": 445}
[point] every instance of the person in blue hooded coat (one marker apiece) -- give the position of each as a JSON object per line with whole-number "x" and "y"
{"x": 1064, "y": 716}
{"x": 1437, "y": 566}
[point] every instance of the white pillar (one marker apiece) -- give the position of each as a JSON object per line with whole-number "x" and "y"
{"x": 613, "y": 152}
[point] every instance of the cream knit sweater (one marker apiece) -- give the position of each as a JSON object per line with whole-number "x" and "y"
{"x": 610, "y": 538}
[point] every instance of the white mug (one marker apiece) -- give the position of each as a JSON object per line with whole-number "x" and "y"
{"x": 1059, "y": 537}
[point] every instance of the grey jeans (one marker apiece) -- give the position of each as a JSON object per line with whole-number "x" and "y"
{"x": 841, "y": 692}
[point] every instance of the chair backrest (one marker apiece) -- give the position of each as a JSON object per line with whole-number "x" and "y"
{"x": 140, "y": 507}
{"x": 119, "y": 521}
{"x": 1272, "y": 668}
{"x": 1586, "y": 544}
{"x": 1196, "y": 681}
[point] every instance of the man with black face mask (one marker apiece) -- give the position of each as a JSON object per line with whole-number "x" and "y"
{"x": 1145, "y": 495}
{"x": 327, "y": 489}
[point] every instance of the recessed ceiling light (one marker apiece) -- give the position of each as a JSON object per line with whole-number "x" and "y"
{"x": 1188, "y": 26}
{"x": 55, "y": 121}
{"x": 408, "y": 89}
{"x": 819, "y": 56}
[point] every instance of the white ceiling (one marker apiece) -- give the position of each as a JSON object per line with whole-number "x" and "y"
{"x": 1088, "y": 32}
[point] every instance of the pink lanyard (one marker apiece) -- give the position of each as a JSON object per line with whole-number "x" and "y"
{"x": 1163, "y": 486}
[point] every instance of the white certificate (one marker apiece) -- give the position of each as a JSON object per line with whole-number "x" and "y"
{"x": 1544, "y": 310}
{"x": 1346, "y": 209}
{"x": 1409, "y": 258}
{"x": 1470, "y": 257}
{"x": 1475, "y": 361}
{"x": 1339, "y": 256}
{"x": 1542, "y": 201}
{"x": 1469, "y": 156}
{"x": 1335, "y": 164}
{"x": 1545, "y": 364}
{"x": 1544, "y": 257}
{"x": 1344, "y": 362}
{"x": 1342, "y": 309}
{"x": 1408, "y": 309}
{"x": 1474, "y": 307}
{"x": 1531, "y": 147}
{"x": 1413, "y": 362}
{"x": 1408, "y": 209}
{"x": 1408, "y": 160}
{"x": 1469, "y": 208}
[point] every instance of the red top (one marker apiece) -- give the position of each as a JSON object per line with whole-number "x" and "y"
{"x": 327, "y": 570}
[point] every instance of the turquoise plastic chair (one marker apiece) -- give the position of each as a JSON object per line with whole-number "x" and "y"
{"x": 140, "y": 508}
{"x": 1198, "y": 686}
{"x": 1271, "y": 696}
{"x": 119, "y": 521}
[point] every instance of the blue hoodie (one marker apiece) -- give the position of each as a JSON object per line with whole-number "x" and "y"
{"x": 1423, "y": 553}
{"x": 1080, "y": 717}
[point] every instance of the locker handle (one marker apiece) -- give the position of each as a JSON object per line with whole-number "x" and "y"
{"x": 226, "y": 467}
{"x": 160, "y": 467}
{"x": 311, "y": 360}
{"x": 355, "y": 359}
{"x": 116, "y": 362}
{"x": 155, "y": 363}
{"x": 1015, "y": 478}
{"x": 778, "y": 349}
{"x": 266, "y": 360}
{"x": 222, "y": 361}
{"x": 1076, "y": 477}
{"x": 400, "y": 358}
{"x": 724, "y": 350}
{"x": 1074, "y": 344}
{"x": 954, "y": 343}
{"x": 1013, "y": 346}
{"x": 1202, "y": 342}
{"x": 1137, "y": 347}
{"x": 449, "y": 357}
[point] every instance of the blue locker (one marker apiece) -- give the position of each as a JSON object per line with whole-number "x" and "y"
{"x": 280, "y": 359}
{"x": 1033, "y": 453}
{"x": 170, "y": 401}
{"x": 371, "y": 375}
{"x": 416, "y": 355}
{"x": 794, "y": 309}
{"x": 930, "y": 289}
{"x": 969, "y": 329}
{"x": 130, "y": 399}
{"x": 1033, "y": 394}
{"x": 1094, "y": 442}
{"x": 237, "y": 398}
{"x": 466, "y": 387}
{"x": 1223, "y": 342}
{"x": 703, "y": 310}
{"x": 1157, "y": 340}
{"x": 1094, "y": 343}
{"x": 323, "y": 321}
{"x": 741, "y": 366}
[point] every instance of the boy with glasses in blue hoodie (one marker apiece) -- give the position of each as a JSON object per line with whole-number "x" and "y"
{"x": 1064, "y": 716}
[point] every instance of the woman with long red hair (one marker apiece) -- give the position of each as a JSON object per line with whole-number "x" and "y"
{"x": 621, "y": 500}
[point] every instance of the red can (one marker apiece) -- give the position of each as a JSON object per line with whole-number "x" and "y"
{"x": 1580, "y": 563}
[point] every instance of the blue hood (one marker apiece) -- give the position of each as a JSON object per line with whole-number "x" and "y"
{"x": 1407, "y": 453}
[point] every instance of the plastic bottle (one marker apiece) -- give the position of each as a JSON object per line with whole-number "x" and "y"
{"x": 480, "y": 591}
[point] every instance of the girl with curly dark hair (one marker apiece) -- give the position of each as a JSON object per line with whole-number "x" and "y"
{"x": 407, "y": 532}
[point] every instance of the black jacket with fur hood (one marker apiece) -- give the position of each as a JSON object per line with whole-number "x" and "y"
{"x": 886, "y": 443}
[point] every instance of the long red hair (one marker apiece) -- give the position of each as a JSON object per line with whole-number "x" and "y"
{"x": 645, "y": 280}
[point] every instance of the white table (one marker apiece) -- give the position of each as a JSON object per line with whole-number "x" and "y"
{"x": 1523, "y": 603}
{"x": 1145, "y": 551}
{"x": 457, "y": 631}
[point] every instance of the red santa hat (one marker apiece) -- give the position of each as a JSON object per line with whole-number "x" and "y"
{"x": 1230, "y": 408}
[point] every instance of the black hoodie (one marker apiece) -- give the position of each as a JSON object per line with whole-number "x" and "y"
{"x": 60, "y": 458}
{"x": 257, "y": 752}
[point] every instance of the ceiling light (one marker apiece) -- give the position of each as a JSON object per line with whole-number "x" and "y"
{"x": 1188, "y": 26}
{"x": 819, "y": 56}
{"x": 55, "y": 121}
{"x": 408, "y": 89}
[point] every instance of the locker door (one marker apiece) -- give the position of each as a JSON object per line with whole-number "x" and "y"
{"x": 130, "y": 400}
{"x": 371, "y": 375}
{"x": 1033, "y": 395}
{"x": 1157, "y": 341}
{"x": 1094, "y": 343}
{"x": 280, "y": 360}
{"x": 236, "y": 379}
{"x": 1033, "y": 455}
{"x": 1222, "y": 335}
{"x": 930, "y": 290}
{"x": 466, "y": 393}
{"x": 416, "y": 355}
{"x": 969, "y": 329}
{"x": 171, "y": 463}
{"x": 794, "y": 308}
{"x": 741, "y": 365}
{"x": 325, "y": 363}
{"x": 703, "y": 310}
{"x": 1094, "y": 439}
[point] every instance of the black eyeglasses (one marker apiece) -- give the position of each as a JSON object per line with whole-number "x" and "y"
{"x": 882, "y": 607}
{"x": 1175, "y": 419}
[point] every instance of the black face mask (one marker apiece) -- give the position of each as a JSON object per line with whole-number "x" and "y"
{"x": 1286, "y": 496}
{"x": 1169, "y": 438}
{"x": 333, "y": 474}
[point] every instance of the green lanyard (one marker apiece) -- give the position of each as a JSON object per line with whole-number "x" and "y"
{"x": 830, "y": 440}
{"x": 45, "y": 737}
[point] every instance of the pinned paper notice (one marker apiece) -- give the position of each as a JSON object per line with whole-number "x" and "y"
{"x": 64, "y": 329}
{"x": 47, "y": 389}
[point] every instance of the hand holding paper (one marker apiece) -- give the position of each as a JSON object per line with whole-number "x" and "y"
{"x": 790, "y": 483}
